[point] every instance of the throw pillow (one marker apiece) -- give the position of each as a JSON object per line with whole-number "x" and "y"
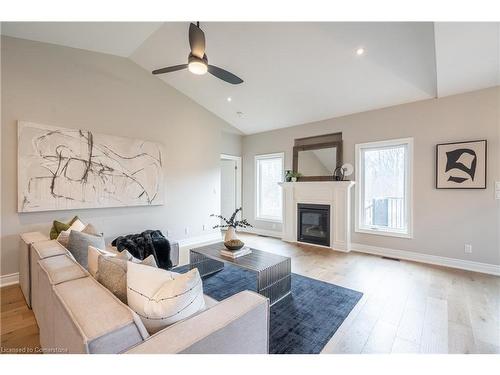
{"x": 112, "y": 274}
{"x": 90, "y": 229}
{"x": 77, "y": 225}
{"x": 161, "y": 297}
{"x": 93, "y": 254}
{"x": 63, "y": 238}
{"x": 58, "y": 227}
{"x": 79, "y": 242}
{"x": 150, "y": 260}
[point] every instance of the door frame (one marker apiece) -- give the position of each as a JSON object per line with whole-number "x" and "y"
{"x": 237, "y": 159}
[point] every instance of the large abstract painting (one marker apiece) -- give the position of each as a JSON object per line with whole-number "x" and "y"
{"x": 461, "y": 165}
{"x": 61, "y": 168}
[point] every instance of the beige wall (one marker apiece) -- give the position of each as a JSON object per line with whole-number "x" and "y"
{"x": 232, "y": 143}
{"x": 73, "y": 88}
{"x": 444, "y": 220}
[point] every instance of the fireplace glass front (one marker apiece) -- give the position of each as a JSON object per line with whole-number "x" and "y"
{"x": 313, "y": 224}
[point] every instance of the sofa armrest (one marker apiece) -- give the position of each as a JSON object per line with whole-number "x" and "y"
{"x": 237, "y": 325}
{"x": 25, "y": 242}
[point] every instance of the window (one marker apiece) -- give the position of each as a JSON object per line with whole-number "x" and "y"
{"x": 268, "y": 172}
{"x": 384, "y": 187}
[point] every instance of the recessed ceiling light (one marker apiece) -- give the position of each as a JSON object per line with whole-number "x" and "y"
{"x": 229, "y": 99}
{"x": 360, "y": 51}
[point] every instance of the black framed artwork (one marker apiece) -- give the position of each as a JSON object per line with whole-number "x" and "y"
{"x": 461, "y": 165}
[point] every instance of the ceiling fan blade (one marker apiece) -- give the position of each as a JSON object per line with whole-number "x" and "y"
{"x": 196, "y": 41}
{"x": 170, "y": 69}
{"x": 224, "y": 75}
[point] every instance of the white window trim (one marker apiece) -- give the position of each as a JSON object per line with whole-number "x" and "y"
{"x": 256, "y": 186}
{"x": 409, "y": 188}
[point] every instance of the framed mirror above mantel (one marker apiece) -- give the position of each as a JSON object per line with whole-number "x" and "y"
{"x": 316, "y": 158}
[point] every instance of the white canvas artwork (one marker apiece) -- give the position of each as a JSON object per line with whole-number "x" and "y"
{"x": 60, "y": 168}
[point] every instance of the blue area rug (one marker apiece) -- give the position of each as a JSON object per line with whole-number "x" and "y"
{"x": 300, "y": 324}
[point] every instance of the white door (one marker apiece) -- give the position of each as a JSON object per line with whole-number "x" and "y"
{"x": 228, "y": 187}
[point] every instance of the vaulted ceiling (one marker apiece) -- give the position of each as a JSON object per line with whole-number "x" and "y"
{"x": 297, "y": 73}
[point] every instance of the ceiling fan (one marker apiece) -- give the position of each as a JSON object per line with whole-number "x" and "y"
{"x": 198, "y": 61}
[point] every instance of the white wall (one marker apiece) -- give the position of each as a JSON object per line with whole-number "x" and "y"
{"x": 444, "y": 220}
{"x": 74, "y": 88}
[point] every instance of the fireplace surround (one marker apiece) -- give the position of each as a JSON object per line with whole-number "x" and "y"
{"x": 335, "y": 194}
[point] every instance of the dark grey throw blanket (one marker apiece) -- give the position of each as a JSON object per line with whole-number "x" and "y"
{"x": 144, "y": 244}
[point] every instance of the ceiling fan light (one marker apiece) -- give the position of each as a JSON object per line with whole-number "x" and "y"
{"x": 197, "y": 67}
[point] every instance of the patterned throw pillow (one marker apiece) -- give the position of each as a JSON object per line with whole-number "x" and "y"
{"x": 112, "y": 273}
{"x": 79, "y": 242}
{"x": 58, "y": 227}
{"x": 93, "y": 254}
{"x": 161, "y": 297}
{"x": 63, "y": 238}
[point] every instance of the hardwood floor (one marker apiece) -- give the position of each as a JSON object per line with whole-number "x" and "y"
{"x": 18, "y": 328}
{"x": 407, "y": 307}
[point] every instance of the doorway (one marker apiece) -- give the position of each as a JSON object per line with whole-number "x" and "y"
{"x": 230, "y": 182}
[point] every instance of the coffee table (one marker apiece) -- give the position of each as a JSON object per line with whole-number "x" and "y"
{"x": 274, "y": 272}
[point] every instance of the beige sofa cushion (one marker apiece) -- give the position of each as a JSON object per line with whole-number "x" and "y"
{"x": 50, "y": 248}
{"x": 95, "y": 309}
{"x": 52, "y": 271}
{"x": 41, "y": 250}
{"x": 31, "y": 237}
{"x": 98, "y": 316}
{"x": 61, "y": 268}
{"x": 209, "y": 301}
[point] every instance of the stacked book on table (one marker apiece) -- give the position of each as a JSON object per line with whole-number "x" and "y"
{"x": 236, "y": 253}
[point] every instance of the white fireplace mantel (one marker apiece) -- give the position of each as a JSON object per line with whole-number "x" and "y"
{"x": 337, "y": 194}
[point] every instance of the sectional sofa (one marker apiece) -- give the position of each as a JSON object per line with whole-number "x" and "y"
{"x": 76, "y": 314}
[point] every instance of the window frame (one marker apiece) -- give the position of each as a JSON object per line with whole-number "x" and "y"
{"x": 257, "y": 215}
{"x": 359, "y": 206}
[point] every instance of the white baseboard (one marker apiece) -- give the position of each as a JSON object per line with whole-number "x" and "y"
{"x": 262, "y": 232}
{"x": 467, "y": 265}
{"x": 10, "y": 279}
{"x": 192, "y": 241}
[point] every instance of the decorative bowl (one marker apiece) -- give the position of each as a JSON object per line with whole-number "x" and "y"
{"x": 234, "y": 245}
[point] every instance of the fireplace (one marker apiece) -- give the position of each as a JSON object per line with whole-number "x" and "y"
{"x": 335, "y": 194}
{"x": 313, "y": 224}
